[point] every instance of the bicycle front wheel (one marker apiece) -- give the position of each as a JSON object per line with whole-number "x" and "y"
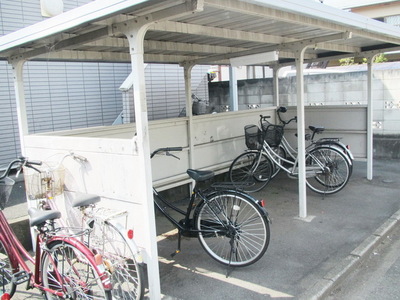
{"x": 66, "y": 269}
{"x": 251, "y": 171}
{"x": 330, "y": 169}
{"x": 126, "y": 273}
{"x": 233, "y": 229}
{"x": 6, "y": 272}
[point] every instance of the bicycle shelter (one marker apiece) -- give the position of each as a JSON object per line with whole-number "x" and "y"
{"x": 185, "y": 32}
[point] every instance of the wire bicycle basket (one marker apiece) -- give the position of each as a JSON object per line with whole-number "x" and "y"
{"x": 273, "y": 135}
{"x": 46, "y": 184}
{"x": 253, "y": 136}
{"x": 6, "y": 186}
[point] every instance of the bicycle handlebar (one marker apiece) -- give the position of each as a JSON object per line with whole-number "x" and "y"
{"x": 283, "y": 109}
{"x": 22, "y": 161}
{"x": 166, "y": 150}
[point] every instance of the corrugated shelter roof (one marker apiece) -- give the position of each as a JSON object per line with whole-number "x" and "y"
{"x": 203, "y": 32}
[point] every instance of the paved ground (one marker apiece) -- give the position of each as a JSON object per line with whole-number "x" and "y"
{"x": 377, "y": 277}
{"x": 305, "y": 259}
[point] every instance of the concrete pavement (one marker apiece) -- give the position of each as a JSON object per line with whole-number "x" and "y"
{"x": 305, "y": 258}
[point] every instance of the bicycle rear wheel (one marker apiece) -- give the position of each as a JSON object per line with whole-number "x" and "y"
{"x": 332, "y": 170}
{"x": 251, "y": 171}
{"x": 341, "y": 148}
{"x": 126, "y": 273}
{"x": 234, "y": 230}
{"x": 66, "y": 269}
{"x": 6, "y": 272}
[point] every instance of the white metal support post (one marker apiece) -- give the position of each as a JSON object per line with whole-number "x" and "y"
{"x": 275, "y": 78}
{"x": 301, "y": 132}
{"x": 370, "y": 119}
{"x": 135, "y": 35}
{"x": 233, "y": 89}
{"x": 17, "y": 67}
{"x": 187, "y": 71}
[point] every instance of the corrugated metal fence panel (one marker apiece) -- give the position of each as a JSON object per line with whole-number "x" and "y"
{"x": 162, "y": 92}
{"x": 165, "y": 89}
{"x": 63, "y": 96}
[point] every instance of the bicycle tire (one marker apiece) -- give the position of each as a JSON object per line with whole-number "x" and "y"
{"x": 249, "y": 172}
{"x": 341, "y": 148}
{"x": 335, "y": 173}
{"x": 127, "y": 276}
{"x": 6, "y": 272}
{"x": 230, "y": 218}
{"x": 78, "y": 275}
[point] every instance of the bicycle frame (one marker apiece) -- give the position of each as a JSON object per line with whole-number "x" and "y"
{"x": 327, "y": 142}
{"x": 18, "y": 255}
{"x": 293, "y": 171}
{"x": 277, "y": 159}
{"x": 330, "y": 142}
{"x": 183, "y": 225}
{"x": 46, "y": 238}
{"x": 14, "y": 246}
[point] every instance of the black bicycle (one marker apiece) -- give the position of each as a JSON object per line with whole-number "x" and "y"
{"x": 232, "y": 226}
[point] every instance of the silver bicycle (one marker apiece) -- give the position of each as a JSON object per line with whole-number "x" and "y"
{"x": 328, "y": 169}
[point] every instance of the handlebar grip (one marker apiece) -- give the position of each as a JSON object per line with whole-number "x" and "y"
{"x": 167, "y": 149}
{"x": 34, "y": 162}
{"x": 174, "y": 149}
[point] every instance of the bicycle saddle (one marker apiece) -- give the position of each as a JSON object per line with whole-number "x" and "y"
{"x": 37, "y": 216}
{"x": 85, "y": 200}
{"x": 316, "y": 129}
{"x": 200, "y": 175}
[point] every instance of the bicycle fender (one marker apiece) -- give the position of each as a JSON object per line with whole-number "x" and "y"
{"x": 346, "y": 153}
{"x": 132, "y": 245}
{"x": 236, "y": 192}
{"x": 338, "y": 146}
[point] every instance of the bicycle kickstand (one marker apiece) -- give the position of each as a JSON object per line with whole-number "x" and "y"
{"x": 178, "y": 250}
{"x": 229, "y": 267}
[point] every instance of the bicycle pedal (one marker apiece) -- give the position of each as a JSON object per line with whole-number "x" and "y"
{"x": 21, "y": 277}
{"x": 175, "y": 253}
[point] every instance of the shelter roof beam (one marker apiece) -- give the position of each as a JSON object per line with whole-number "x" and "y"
{"x": 284, "y": 46}
{"x": 215, "y": 32}
{"x": 71, "y": 42}
{"x": 183, "y": 8}
{"x": 223, "y": 33}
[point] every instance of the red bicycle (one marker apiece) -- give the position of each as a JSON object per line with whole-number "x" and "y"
{"x": 64, "y": 267}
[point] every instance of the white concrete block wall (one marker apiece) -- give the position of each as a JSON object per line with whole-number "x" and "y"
{"x": 332, "y": 89}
